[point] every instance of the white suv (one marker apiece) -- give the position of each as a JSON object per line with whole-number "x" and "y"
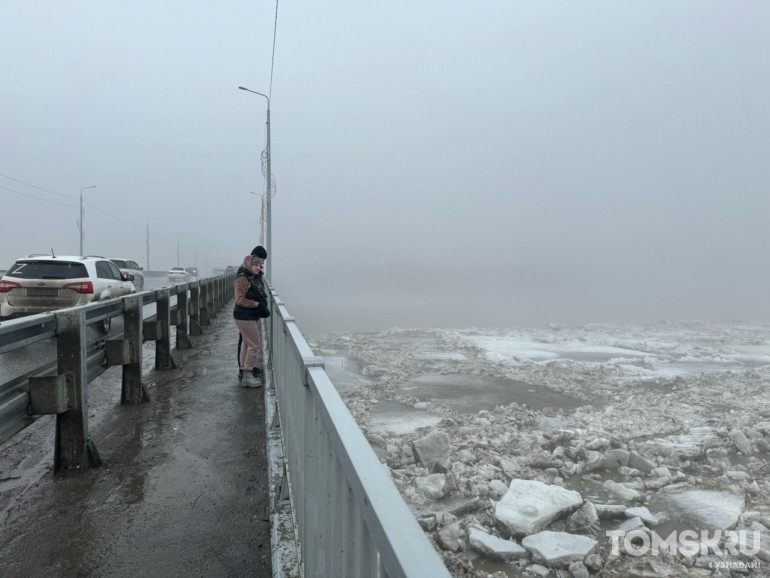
{"x": 129, "y": 267}
{"x": 40, "y": 284}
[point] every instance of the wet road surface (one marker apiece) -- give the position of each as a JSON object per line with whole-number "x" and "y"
{"x": 182, "y": 490}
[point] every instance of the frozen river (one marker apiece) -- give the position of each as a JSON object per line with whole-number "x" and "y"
{"x": 566, "y": 406}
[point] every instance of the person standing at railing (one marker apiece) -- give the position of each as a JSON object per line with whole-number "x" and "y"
{"x": 250, "y": 307}
{"x": 259, "y": 251}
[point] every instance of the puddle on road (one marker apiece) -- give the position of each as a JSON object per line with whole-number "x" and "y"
{"x": 473, "y": 393}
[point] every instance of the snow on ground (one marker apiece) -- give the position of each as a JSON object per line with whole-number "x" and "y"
{"x": 628, "y": 416}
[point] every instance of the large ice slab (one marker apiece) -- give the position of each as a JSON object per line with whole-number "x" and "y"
{"x": 493, "y": 547}
{"x": 708, "y": 509}
{"x": 559, "y": 548}
{"x": 529, "y": 506}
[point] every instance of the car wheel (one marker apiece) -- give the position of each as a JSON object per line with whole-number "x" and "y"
{"x": 104, "y": 325}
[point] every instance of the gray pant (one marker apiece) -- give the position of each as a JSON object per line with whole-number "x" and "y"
{"x": 250, "y": 355}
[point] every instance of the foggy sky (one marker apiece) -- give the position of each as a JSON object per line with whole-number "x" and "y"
{"x": 443, "y": 164}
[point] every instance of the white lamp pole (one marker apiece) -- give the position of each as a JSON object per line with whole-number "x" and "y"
{"x": 268, "y": 176}
{"x": 261, "y": 221}
{"x": 82, "y": 233}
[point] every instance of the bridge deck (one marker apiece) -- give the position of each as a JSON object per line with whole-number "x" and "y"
{"x": 182, "y": 490}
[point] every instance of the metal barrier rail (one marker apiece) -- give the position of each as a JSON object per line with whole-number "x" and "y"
{"x": 60, "y": 387}
{"x": 350, "y": 519}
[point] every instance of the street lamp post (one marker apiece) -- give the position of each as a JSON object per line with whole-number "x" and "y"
{"x": 80, "y": 223}
{"x": 148, "y": 241}
{"x": 268, "y": 193}
{"x": 261, "y": 221}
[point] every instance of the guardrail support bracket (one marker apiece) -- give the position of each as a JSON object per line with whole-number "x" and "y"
{"x": 52, "y": 394}
{"x": 119, "y": 352}
{"x": 153, "y": 330}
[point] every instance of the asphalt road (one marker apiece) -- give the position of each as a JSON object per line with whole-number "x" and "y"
{"x": 182, "y": 490}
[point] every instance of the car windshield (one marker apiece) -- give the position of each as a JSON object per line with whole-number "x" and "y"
{"x": 120, "y": 263}
{"x": 47, "y": 270}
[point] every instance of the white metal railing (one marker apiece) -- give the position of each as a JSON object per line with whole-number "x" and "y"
{"x": 349, "y": 517}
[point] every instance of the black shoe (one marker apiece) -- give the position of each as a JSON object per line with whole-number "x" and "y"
{"x": 256, "y": 372}
{"x": 240, "y": 375}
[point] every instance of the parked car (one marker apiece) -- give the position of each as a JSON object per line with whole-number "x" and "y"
{"x": 129, "y": 267}
{"x": 40, "y": 284}
{"x": 178, "y": 275}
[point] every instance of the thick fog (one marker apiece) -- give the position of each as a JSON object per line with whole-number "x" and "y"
{"x": 438, "y": 164}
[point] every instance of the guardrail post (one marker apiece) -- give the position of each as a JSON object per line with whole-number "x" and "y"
{"x": 73, "y": 449}
{"x": 204, "y": 310}
{"x": 182, "y": 310}
{"x": 220, "y": 293}
{"x": 132, "y": 390}
{"x": 211, "y": 301}
{"x": 214, "y": 296}
{"x": 195, "y": 313}
{"x": 223, "y": 293}
{"x": 163, "y": 358}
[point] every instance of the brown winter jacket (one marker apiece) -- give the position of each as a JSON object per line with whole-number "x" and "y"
{"x": 247, "y": 292}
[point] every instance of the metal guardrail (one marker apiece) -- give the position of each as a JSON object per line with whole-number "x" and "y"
{"x": 350, "y": 519}
{"x": 59, "y": 387}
